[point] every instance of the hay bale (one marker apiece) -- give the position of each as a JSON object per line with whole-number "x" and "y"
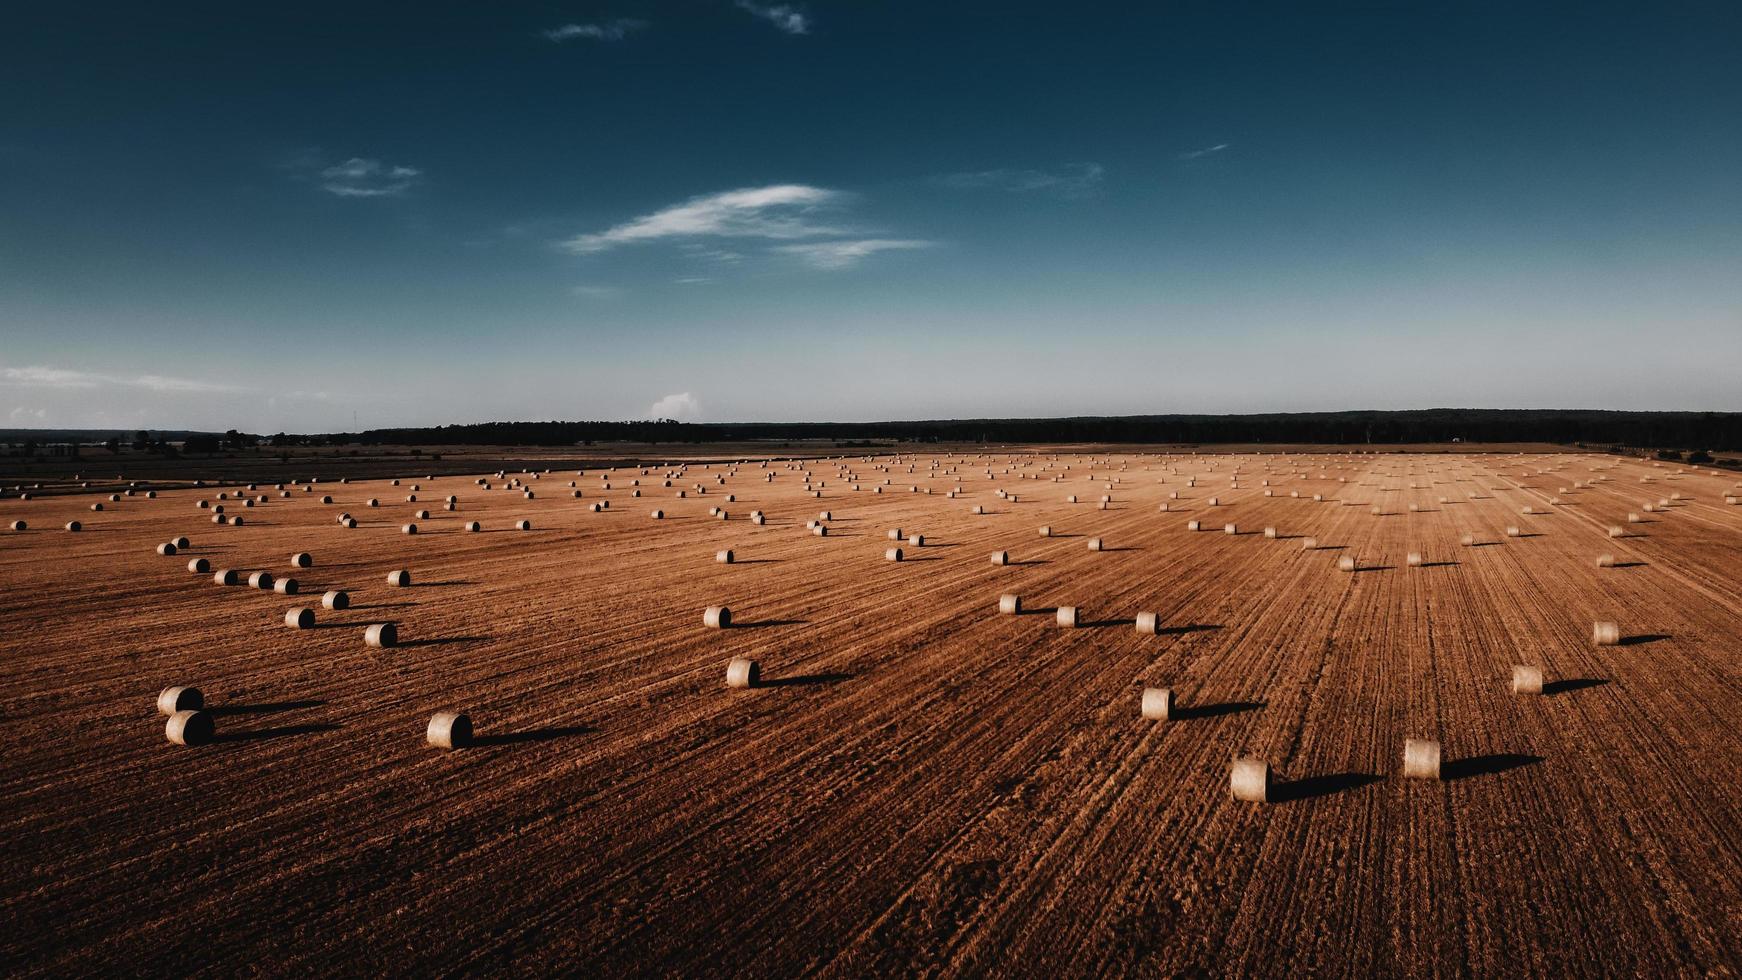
{"x": 1149, "y": 623}
{"x": 226, "y": 576}
{"x": 286, "y": 586}
{"x": 658, "y": 515}
{"x": 189, "y": 728}
{"x": 1095, "y": 544}
{"x": 916, "y": 540}
{"x": 1193, "y": 525}
{"x": 522, "y": 525}
{"x": 301, "y": 618}
{"x": 1605, "y": 634}
{"x": 302, "y": 559}
{"x": 1467, "y": 539}
{"x": 336, "y": 600}
{"x": 723, "y": 557}
{"x": 381, "y": 635}
{"x": 1605, "y": 561}
{"x": 892, "y": 554}
{"x": 1230, "y": 529}
{"x": 448, "y": 730}
{"x": 1421, "y": 758}
{"x": 1345, "y": 564}
{"x": 173, "y": 699}
{"x": 400, "y": 578}
{"x": 1526, "y": 680}
{"x": 1249, "y": 780}
{"x": 19, "y": 526}
{"x": 1514, "y": 531}
{"x": 1067, "y": 616}
{"x": 1157, "y": 703}
{"x": 743, "y": 672}
{"x": 976, "y": 509}
{"x": 1009, "y": 604}
{"x": 199, "y": 566}
{"x": 1413, "y": 559}
{"x": 1000, "y": 557}
{"x": 894, "y": 534}
{"x": 261, "y": 581}
{"x": 408, "y": 529}
{"x": 166, "y": 548}
{"x": 758, "y": 519}
{"x": 1309, "y": 544}
{"x": 717, "y": 617}
{"x": 422, "y": 515}
{"x": 1046, "y": 531}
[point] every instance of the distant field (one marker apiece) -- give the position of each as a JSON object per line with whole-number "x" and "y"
{"x": 921, "y": 785}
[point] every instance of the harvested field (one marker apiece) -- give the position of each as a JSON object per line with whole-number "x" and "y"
{"x": 916, "y": 783}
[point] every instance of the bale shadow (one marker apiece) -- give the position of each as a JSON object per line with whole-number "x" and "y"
{"x": 1629, "y": 564}
{"x": 765, "y": 623}
{"x": 906, "y": 560}
{"x": 756, "y": 561}
{"x": 443, "y": 641}
{"x": 1124, "y": 548}
{"x": 1185, "y": 628}
{"x": 380, "y": 605}
{"x": 1216, "y": 710}
{"x": 1571, "y": 684}
{"x": 1486, "y": 544}
{"x": 1483, "y": 765}
{"x": 1438, "y": 564}
{"x": 1038, "y": 611}
{"x": 1317, "y": 786}
{"x": 443, "y": 585}
{"x": 1031, "y": 561}
{"x": 1642, "y": 639}
{"x": 260, "y": 709}
{"x": 282, "y": 731}
{"x": 1360, "y": 569}
{"x": 531, "y": 735}
{"x": 804, "y": 680}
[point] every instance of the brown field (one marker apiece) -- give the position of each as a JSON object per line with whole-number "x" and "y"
{"x": 920, "y": 785}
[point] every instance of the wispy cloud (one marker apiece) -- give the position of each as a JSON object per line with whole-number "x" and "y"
{"x": 1073, "y": 180}
{"x": 595, "y": 292}
{"x": 611, "y": 30}
{"x": 848, "y": 252}
{"x": 785, "y": 17}
{"x": 38, "y": 376}
{"x": 781, "y": 211}
{"x": 682, "y": 406}
{"x": 1206, "y": 151}
{"x": 358, "y": 177}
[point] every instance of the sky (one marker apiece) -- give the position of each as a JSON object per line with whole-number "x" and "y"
{"x": 317, "y": 216}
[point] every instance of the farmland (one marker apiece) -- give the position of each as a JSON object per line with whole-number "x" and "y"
{"x": 919, "y": 784}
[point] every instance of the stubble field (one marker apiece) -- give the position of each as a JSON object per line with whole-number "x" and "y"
{"x": 920, "y": 784}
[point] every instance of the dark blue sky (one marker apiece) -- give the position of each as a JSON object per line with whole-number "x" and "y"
{"x": 276, "y": 217}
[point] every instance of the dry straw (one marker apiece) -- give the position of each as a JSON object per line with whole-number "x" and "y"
{"x": 1421, "y": 758}
{"x": 743, "y": 672}
{"x": 1249, "y": 780}
{"x": 399, "y": 578}
{"x": 1157, "y": 703}
{"x": 717, "y": 617}
{"x": 189, "y": 728}
{"x": 302, "y": 618}
{"x": 173, "y": 699}
{"x": 381, "y": 635}
{"x": 449, "y": 730}
{"x": 1526, "y": 680}
{"x": 1009, "y": 604}
{"x": 1605, "y": 634}
{"x": 336, "y": 600}
{"x": 1067, "y": 616}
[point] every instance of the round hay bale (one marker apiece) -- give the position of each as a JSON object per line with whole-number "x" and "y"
{"x": 1009, "y": 604}
{"x": 181, "y": 542}
{"x": 1067, "y": 616}
{"x": 371, "y": 502}
{"x": 1309, "y": 544}
{"x": 189, "y": 728}
{"x": 1605, "y": 634}
{"x": 1345, "y": 564}
{"x": 717, "y": 617}
{"x": 399, "y": 578}
{"x": 19, "y": 526}
{"x": 1000, "y": 557}
{"x": 336, "y": 600}
{"x": 895, "y": 534}
{"x": 1214, "y": 502}
{"x": 350, "y": 522}
{"x": 892, "y": 554}
{"x": 1193, "y": 525}
{"x": 1513, "y": 531}
{"x": 235, "y": 521}
{"x": 1094, "y": 544}
{"x": 204, "y": 505}
{"x": 260, "y": 580}
{"x": 226, "y": 576}
{"x": 173, "y": 699}
{"x": 758, "y": 519}
{"x": 1157, "y": 703}
{"x": 821, "y": 530}
{"x": 1467, "y": 540}
{"x": 723, "y": 557}
{"x": 916, "y": 540}
{"x": 743, "y": 672}
{"x": 166, "y": 548}
{"x": 658, "y": 515}
{"x": 1149, "y": 623}
{"x": 1526, "y": 680}
{"x": 199, "y": 565}
{"x": 408, "y": 529}
{"x": 326, "y": 499}
{"x": 422, "y": 515}
{"x": 286, "y": 586}
{"x": 302, "y": 559}
{"x": 448, "y": 730}
{"x": 976, "y": 509}
{"x": 1617, "y": 531}
{"x": 97, "y": 506}
{"x": 381, "y": 635}
{"x": 1421, "y": 758}
{"x": 1605, "y": 561}
{"x": 1413, "y": 559}
{"x": 522, "y": 525}
{"x": 301, "y": 618}
{"x": 1249, "y": 780}
{"x": 1230, "y": 529}
{"x": 1046, "y": 531}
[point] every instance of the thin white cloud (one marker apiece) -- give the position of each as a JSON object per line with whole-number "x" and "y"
{"x": 694, "y": 280}
{"x": 38, "y": 376}
{"x": 1206, "y": 151}
{"x": 22, "y": 416}
{"x": 682, "y": 406}
{"x": 1073, "y": 180}
{"x": 846, "y": 253}
{"x": 611, "y": 30}
{"x": 595, "y": 292}
{"x": 778, "y": 212}
{"x": 358, "y": 177}
{"x": 785, "y": 17}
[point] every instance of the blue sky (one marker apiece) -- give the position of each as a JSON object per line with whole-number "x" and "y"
{"x": 217, "y": 215}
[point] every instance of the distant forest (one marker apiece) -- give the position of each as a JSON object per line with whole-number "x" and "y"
{"x": 1687, "y": 430}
